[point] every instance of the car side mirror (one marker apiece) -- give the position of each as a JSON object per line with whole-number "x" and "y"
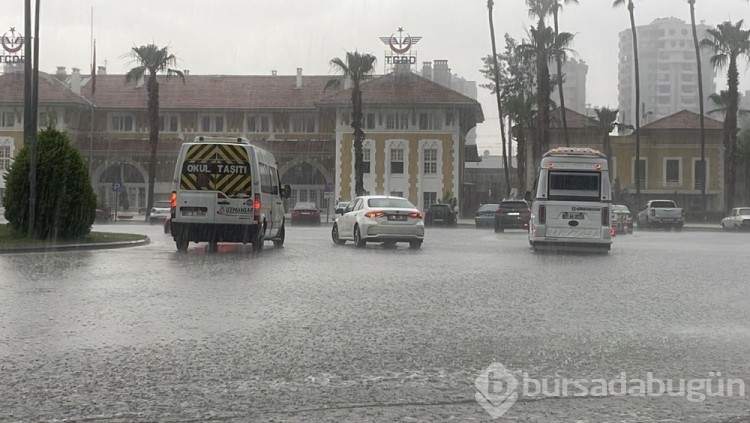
{"x": 339, "y": 211}
{"x": 287, "y": 192}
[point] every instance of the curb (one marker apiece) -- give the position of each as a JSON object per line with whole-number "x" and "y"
{"x": 77, "y": 247}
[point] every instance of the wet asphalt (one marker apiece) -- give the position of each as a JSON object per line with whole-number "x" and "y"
{"x": 316, "y": 332}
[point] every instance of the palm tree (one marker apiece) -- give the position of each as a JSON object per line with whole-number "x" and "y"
{"x": 556, "y": 8}
{"x": 728, "y": 42}
{"x": 357, "y": 68}
{"x": 700, "y": 101}
{"x": 721, "y": 101}
{"x": 541, "y": 47}
{"x": 151, "y": 60}
{"x": 498, "y": 95}
{"x": 631, "y": 6}
{"x": 520, "y": 109}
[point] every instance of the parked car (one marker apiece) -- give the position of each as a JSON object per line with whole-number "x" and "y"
{"x": 622, "y": 220}
{"x": 379, "y": 219}
{"x": 485, "y": 217}
{"x": 159, "y": 212}
{"x": 440, "y": 215}
{"x": 738, "y": 219}
{"x": 340, "y": 206}
{"x": 512, "y": 214}
{"x": 305, "y": 212}
{"x": 661, "y": 213}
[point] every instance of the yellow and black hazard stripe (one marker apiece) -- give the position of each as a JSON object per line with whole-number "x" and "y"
{"x": 217, "y": 167}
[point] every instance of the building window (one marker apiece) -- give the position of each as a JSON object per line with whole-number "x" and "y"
{"x": 5, "y": 158}
{"x": 122, "y": 123}
{"x": 430, "y": 160}
{"x": 672, "y": 170}
{"x": 346, "y": 115}
{"x": 7, "y": 119}
{"x": 430, "y": 121}
{"x": 366, "y": 160}
{"x": 397, "y": 120}
{"x": 302, "y": 123}
{"x": 449, "y": 118}
{"x": 42, "y": 120}
{"x": 369, "y": 121}
{"x": 699, "y": 174}
{"x": 212, "y": 123}
{"x": 397, "y": 160}
{"x": 429, "y": 198}
{"x": 169, "y": 123}
{"x": 258, "y": 123}
{"x": 642, "y": 171}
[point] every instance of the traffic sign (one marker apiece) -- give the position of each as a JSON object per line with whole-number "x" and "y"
{"x": 327, "y": 195}
{"x": 329, "y": 187}
{"x": 116, "y": 186}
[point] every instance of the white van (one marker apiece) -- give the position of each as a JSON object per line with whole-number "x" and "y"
{"x": 571, "y": 209}
{"x": 226, "y": 190}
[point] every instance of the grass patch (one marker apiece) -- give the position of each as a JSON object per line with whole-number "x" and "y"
{"x": 10, "y": 239}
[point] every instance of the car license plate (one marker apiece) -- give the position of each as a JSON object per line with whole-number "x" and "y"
{"x": 667, "y": 220}
{"x": 398, "y": 218}
{"x": 513, "y": 214}
{"x": 573, "y": 216}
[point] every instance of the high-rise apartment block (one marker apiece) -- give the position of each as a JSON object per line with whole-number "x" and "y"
{"x": 668, "y": 70}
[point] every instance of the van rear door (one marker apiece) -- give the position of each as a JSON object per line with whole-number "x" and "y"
{"x": 233, "y": 184}
{"x": 575, "y": 208}
{"x": 195, "y": 197}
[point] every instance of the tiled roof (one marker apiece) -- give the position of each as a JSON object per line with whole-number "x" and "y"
{"x": 684, "y": 119}
{"x": 51, "y": 90}
{"x": 573, "y": 118}
{"x": 206, "y": 92}
{"x": 394, "y": 89}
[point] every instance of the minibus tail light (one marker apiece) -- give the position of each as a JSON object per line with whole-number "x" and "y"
{"x": 173, "y": 200}
{"x": 542, "y": 214}
{"x": 605, "y": 216}
{"x": 256, "y": 208}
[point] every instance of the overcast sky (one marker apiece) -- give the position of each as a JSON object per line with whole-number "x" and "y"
{"x": 257, "y": 36}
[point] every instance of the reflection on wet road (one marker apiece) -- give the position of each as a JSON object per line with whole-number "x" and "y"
{"x": 315, "y": 332}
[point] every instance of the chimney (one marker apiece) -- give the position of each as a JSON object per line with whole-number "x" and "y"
{"x": 61, "y": 72}
{"x": 442, "y": 73}
{"x": 274, "y": 73}
{"x": 75, "y": 81}
{"x": 299, "y": 77}
{"x": 427, "y": 70}
{"x": 101, "y": 70}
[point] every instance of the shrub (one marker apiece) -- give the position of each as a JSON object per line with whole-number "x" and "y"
{"x": 65, "y": 200}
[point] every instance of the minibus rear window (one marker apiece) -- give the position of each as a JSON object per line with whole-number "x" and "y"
{"x": 574, "y": 186}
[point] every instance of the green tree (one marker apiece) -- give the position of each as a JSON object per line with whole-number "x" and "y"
{"x": 541, "y": 47}
{"x": 498, "y": 97}
{"x": 696, "y": 44}
{"x": 606, "y": 122}
{"x": 721, "y": 101}
{"x": 357, "y": 68}
{"x": 631, "y": 7}
{"x": 65, "y": 200}
{"x": 151, "y": 60}
{"x": 728, "y": 42}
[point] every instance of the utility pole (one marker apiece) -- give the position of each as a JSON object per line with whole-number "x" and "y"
{"x": 30, "y": 104}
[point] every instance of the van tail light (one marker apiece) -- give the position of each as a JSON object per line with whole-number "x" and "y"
{"x": 173, "y": 200}
{"x": 653, "y": 212}
{"x": 542, "y": 214}
{"x": 416, "y": 215}
{"x": 256, "y": 208}
{"x": 374, "y": 214}
{"x": 605, "y": 216}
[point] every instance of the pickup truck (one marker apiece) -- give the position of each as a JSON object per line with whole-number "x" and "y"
{"x": 663, "y": 214}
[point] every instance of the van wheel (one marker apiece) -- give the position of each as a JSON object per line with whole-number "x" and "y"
{"x": 182, "y": 245}
{"x": 278, "y": 242}
{"x": 415, "y": 245}
{"x": 499, "y": 229}
{"x": 358, "y": 241}
{"x": 213, "y": 247}
{"x": 335, "y": 235}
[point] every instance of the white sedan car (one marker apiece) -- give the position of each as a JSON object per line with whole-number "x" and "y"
{"x": 379, "y": 219}
{"x": 738, "y": 219}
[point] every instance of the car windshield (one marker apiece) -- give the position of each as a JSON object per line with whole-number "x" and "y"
{"x": 488, "y": 207}
{"x": 305, "y": 206}
{"x": 335, "y": 252}
{"x": 396, "y": 203}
